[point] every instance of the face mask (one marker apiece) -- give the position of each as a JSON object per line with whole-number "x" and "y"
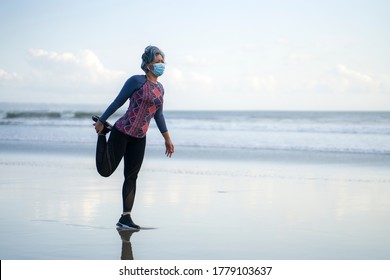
{"x": 158, "y": 69}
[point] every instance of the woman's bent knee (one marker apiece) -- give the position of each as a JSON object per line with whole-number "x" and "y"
{"x": 104, "y": 172}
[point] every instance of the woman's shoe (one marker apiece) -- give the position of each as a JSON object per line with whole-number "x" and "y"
{"x": 125, "y": 222}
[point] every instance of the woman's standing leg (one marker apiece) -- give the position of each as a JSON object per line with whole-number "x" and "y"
{"x": 133, "y": 159}
{"x": 109, "y": 153}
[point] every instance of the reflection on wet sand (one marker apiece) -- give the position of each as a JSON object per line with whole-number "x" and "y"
{"x": 127, "y": 250}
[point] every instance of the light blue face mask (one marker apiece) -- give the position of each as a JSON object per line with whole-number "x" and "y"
{"x": 158, "y": 69}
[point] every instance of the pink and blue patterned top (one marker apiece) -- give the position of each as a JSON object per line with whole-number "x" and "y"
{"x": 146, "y": 102}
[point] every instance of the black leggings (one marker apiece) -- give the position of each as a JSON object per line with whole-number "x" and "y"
{"x": 109, "y": 154}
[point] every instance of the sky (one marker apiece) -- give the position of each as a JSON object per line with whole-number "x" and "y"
{"x": 220, "y": 55}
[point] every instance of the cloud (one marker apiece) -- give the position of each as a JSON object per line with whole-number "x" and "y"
{"x": 66, "y": 77}
{"x": 342, "y": 79}
{"x": 201, "y": 79}
{"x": 84, "y": 67}
{"x": 54, "y": 56}
{"x": 52, "y": 76}
{"x": 176, "y": 78}
{"x": 349, "y": 80}
{"x": 5, "y": 76}
{"x": 354, "y": 75}
{"x": 175, "y": 75}
{"x": 186, "y": 89}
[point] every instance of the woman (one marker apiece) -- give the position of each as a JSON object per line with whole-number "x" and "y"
{"x": 128, "y": 135}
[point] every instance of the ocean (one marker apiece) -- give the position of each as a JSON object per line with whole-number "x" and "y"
{"x": 311, "y": 131}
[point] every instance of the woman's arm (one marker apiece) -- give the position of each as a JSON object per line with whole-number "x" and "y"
{"x": 160, "y": 121}
{"x": 169, "y": 147}
{"x": 131, "y": 85}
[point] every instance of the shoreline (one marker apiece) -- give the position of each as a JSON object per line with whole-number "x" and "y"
{"x": 204, "y": 153}
{"x": 277, "y": 206}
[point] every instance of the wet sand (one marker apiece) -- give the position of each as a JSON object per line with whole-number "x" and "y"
{"x": 54, "y": 205}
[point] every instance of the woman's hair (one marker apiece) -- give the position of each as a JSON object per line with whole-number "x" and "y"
{"x": 149, "y": 55}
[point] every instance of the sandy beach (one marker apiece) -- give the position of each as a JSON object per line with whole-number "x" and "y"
{"x": 200, "y": 204}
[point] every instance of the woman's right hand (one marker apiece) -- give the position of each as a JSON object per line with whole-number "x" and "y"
{"x": 99, "y": 126}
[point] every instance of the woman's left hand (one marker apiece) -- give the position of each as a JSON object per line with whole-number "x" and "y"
{"x": 169, "y": 148}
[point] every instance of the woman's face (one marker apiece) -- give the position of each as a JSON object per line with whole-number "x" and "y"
{"x": 158, "y": 59}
